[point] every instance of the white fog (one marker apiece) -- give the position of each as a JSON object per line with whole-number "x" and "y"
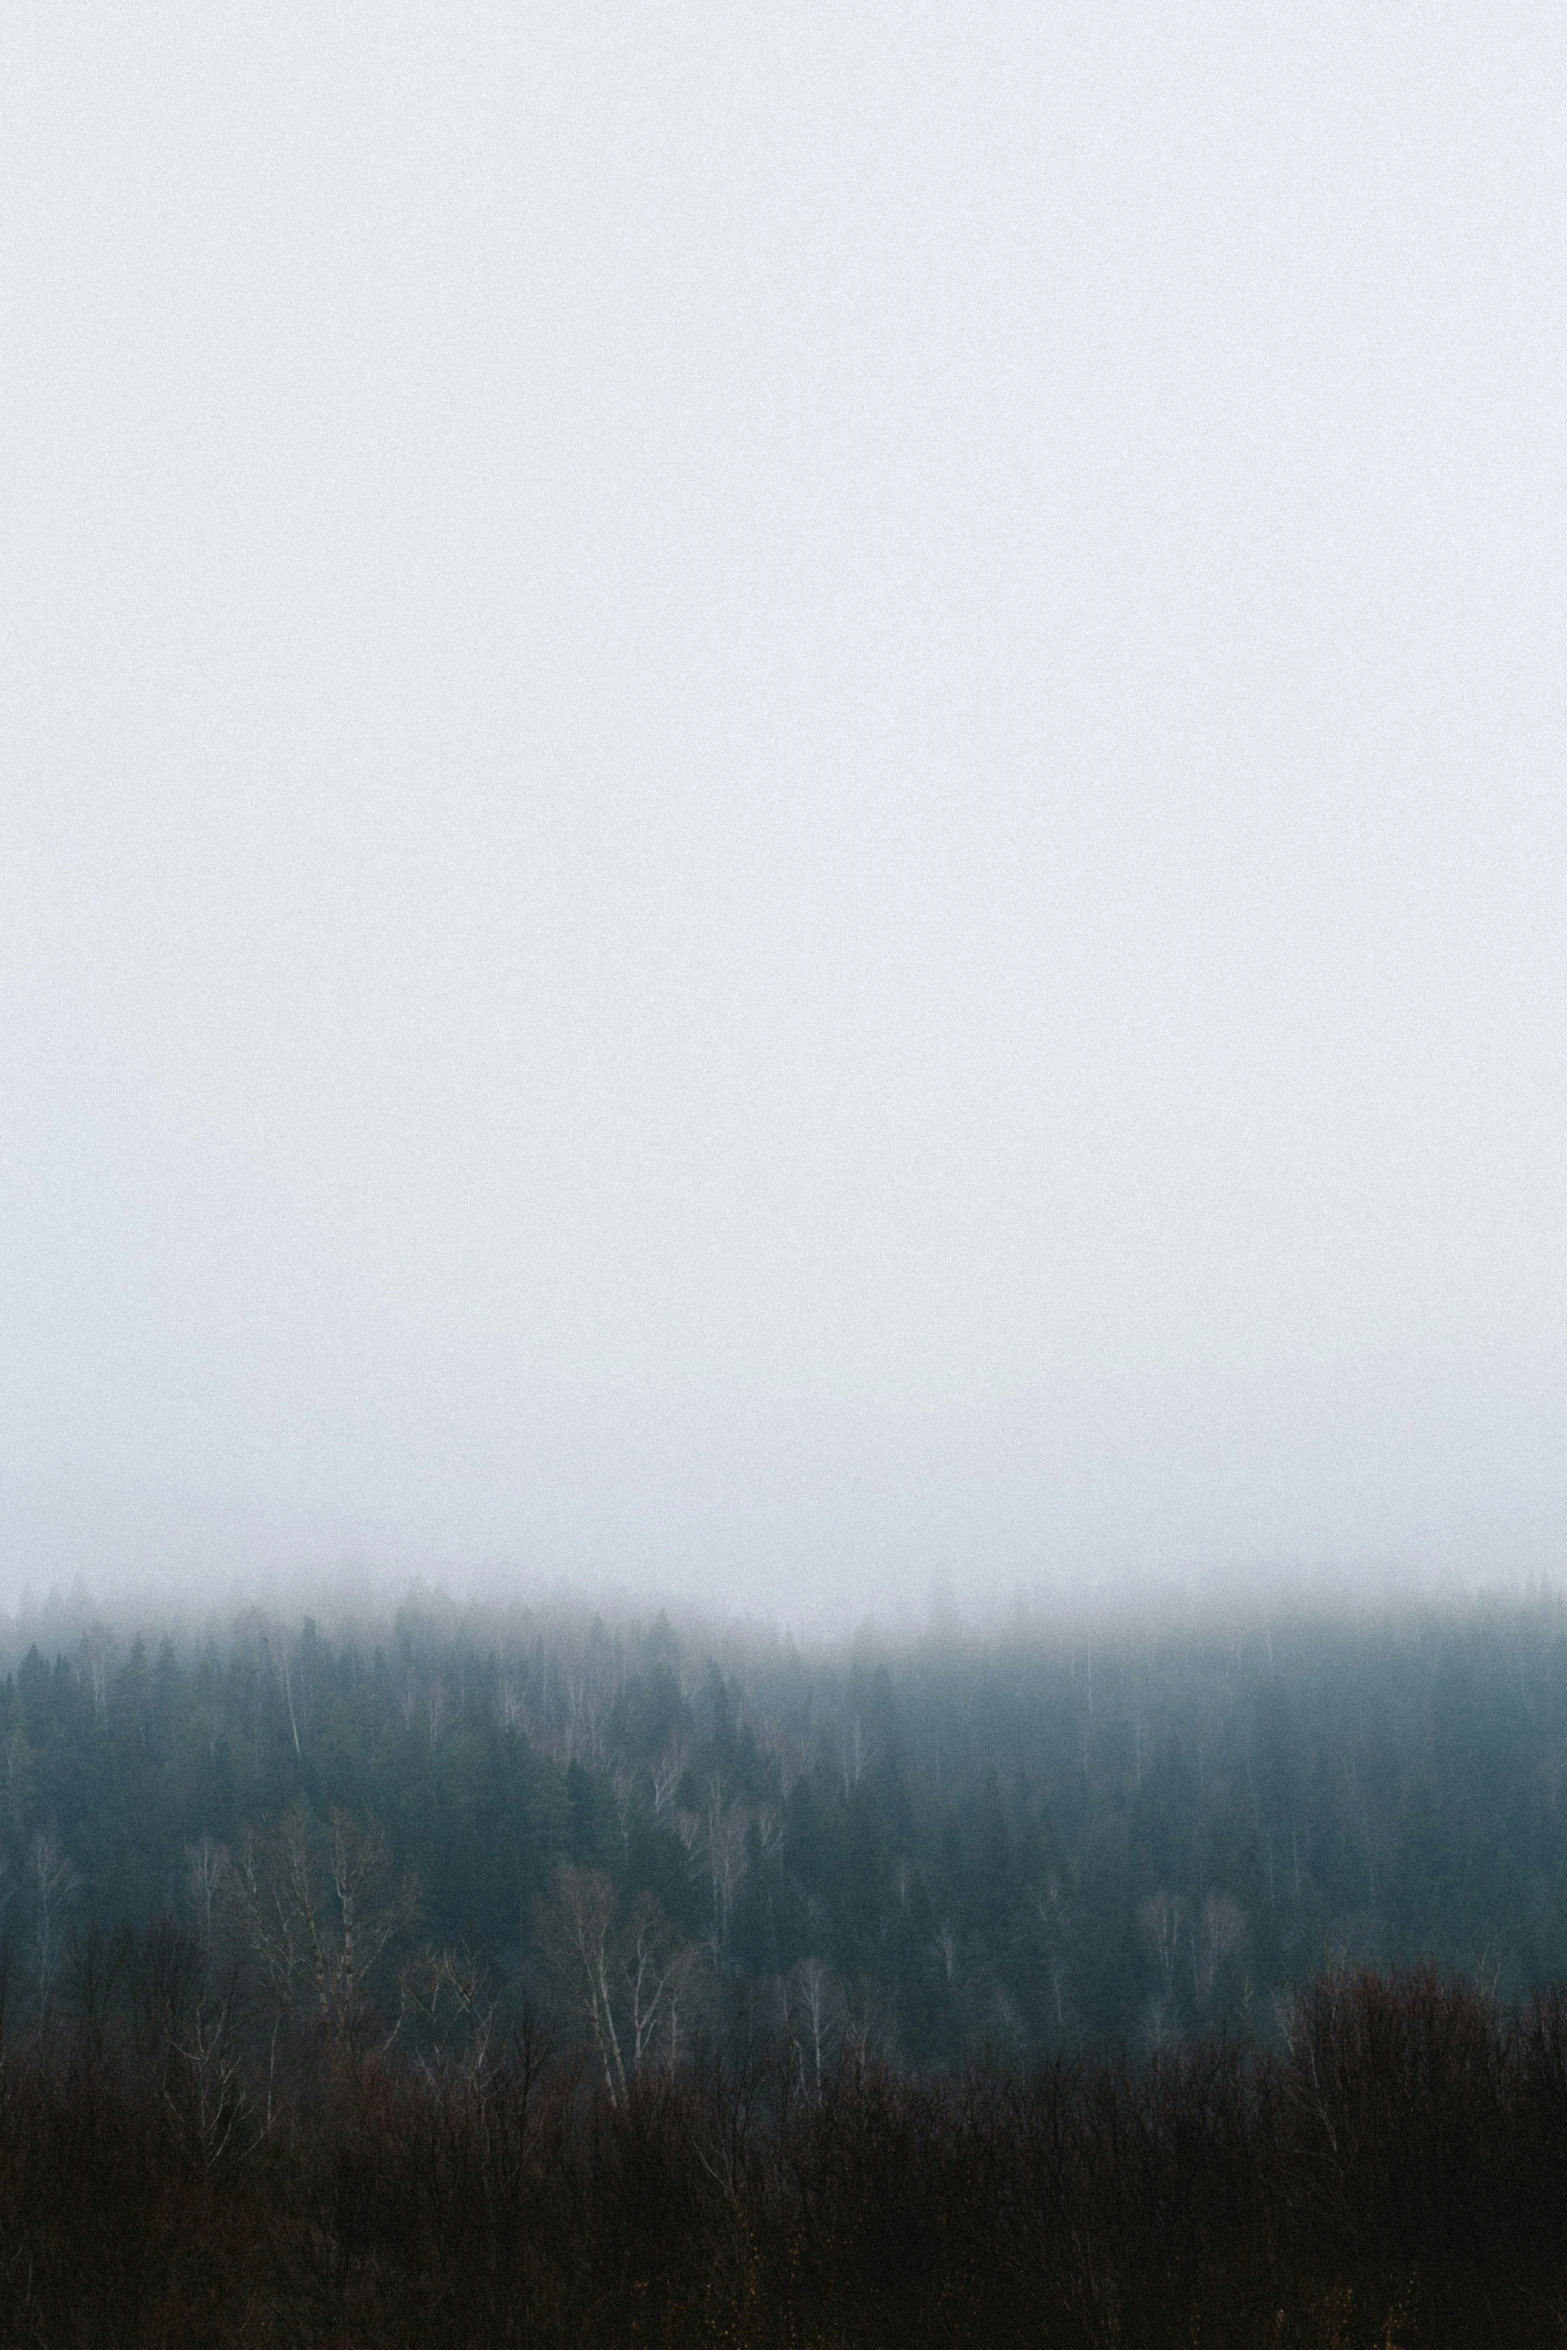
{"x": 780, "y": 799}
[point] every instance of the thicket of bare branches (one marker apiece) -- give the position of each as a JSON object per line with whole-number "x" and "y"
{"x": 1392, "y": 2172}
{"x": 621, "y": 1972}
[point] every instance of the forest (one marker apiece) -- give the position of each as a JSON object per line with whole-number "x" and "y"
{"x": 1059, "y": 1836}
{"x": 541, "y": 1973}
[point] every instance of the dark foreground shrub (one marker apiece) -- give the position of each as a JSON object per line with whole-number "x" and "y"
{"x": 1395, "y": 2174}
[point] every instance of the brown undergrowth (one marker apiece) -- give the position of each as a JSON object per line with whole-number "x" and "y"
{"x": 1393, "y": 2172}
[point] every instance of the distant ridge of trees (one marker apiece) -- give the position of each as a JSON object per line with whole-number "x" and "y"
{"x": 1080, "y": 1835}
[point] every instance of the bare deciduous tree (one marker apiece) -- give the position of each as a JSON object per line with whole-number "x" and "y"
{"x": 55, "y": 1884}
{"x": 218, "y": 2107}
{"x": 814, "y": 2008}
{"x": 668, "y": 1772}
{"x": 790, "y": 1756}
{"x": 1055, "y": 1919}
{"x": 577, "y": 1925}
{"x": 623, "y": 1786}
{"x": 451, "y": 1995}
{"x": 317, "y": 1911}
{"x": 285, "y": 1664}
{"x": 207, "y": 2085}
{"x": 867, "y": 2021}
{"x": 205, "y": 1864}
{"x": 854, "y": 1753}
{"x": 1162, "y": 1921}
{"x": 716, "y": 1841}
{"x": 944, "y": 1950}
{"x": 1221, "y": 1931}
{"x": 1159, "y": 2026}
{"x": 628, "y": 1974}
{"x": 98, "y": 1650}
{"x": 656, "y": 1968}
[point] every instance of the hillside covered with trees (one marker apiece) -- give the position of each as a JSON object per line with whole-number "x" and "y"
{"x": 1072, "y": 1836}
{"x": 527, "y": 1976}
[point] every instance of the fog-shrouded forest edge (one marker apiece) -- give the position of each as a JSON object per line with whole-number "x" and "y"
{"x": 1063, "y": 1834}
{"x": 547, "y": 1974}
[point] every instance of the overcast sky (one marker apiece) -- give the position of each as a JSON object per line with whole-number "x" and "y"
{"x": 782, "y": 793}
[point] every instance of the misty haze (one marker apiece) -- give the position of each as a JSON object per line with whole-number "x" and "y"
{"x": 783, "y": 1294}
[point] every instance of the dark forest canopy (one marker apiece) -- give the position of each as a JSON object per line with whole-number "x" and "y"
{"x": 1060, "y": 1835}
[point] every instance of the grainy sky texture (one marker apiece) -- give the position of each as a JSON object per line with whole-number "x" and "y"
{"x": 782, "y": 792}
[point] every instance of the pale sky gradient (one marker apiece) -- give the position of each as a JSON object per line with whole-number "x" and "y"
{"x": 782, "y": 792}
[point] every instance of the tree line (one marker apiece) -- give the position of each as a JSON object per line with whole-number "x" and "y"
{"x": 926, "y": 1852}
